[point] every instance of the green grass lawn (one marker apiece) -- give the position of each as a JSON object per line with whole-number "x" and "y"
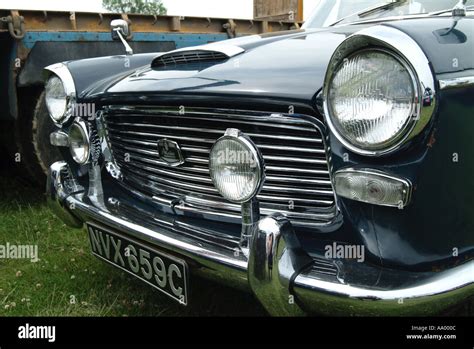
{"x": 69, "y": 281}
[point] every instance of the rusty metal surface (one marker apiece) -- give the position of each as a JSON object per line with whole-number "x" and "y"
{"x": 96, "y": 22}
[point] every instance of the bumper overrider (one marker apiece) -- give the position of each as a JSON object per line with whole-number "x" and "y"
{"x": 276, "y": 269}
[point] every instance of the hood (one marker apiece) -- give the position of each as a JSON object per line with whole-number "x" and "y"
{"x": 292, "y": 64}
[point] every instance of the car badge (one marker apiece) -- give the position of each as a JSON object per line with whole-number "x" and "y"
{"x": 170, "y": 152}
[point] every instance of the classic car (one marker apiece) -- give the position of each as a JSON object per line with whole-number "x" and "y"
{"x": 327, "y": 170}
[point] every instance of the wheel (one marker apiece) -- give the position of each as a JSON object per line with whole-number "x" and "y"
{"x": 32, "y": 136}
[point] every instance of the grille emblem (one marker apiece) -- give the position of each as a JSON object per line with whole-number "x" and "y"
{"x": 170, "y": 152}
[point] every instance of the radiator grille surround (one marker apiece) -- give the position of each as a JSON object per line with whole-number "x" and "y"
{"x": 298, "y": 182}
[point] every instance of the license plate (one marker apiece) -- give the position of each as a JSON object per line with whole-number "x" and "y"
{"x": 162, "y": 271}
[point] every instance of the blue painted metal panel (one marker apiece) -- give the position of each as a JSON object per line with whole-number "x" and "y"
{"x": 181, "y": 39}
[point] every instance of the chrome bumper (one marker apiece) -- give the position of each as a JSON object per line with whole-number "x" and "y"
{"x": 278, "y": 271}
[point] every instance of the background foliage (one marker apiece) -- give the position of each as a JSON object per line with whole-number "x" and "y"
{"x": 146, "y": 7}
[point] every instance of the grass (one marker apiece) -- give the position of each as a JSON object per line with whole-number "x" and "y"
{"x": 69, "y": 281}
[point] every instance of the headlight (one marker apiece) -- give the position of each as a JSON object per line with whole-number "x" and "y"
{"x": 378, "y": 98}
{"x": 371, "y": 100}
{"x": 56, "y": 99}
{"x": 236, "y": 167}
{"x": 60, "y": 93}
{"x": 79, "y": 143}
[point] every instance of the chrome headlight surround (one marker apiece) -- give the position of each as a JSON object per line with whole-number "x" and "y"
{"x": 61, "y": 72}
{"x": 408, "y": 53}
{"x": 79, "y": 137}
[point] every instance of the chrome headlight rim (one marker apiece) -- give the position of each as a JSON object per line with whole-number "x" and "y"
{"x": 84, "y": 131}
{"x": 408, "y": 53}
{"x": 61, "y": 71}
{"x": 240, "y": 137}
{"x": 393, "y": 143}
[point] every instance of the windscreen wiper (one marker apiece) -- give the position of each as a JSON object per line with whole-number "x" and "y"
{"x": 380, "y": 8}
{"x": 372, "y": 10}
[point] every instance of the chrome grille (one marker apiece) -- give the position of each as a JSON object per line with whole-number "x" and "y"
{"x": 297, "y": 176}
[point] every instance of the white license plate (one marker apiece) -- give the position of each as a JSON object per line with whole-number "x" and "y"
{"x": 166, "y": 273}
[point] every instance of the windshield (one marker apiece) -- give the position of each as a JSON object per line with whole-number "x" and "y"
{"x": 331, "y": 11}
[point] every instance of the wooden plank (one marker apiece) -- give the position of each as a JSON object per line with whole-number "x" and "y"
{"x": 277, "y": 10}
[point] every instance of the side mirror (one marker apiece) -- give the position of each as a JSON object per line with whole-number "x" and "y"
{"x": 119, "y": 25}
{"x": 120, "y": 30}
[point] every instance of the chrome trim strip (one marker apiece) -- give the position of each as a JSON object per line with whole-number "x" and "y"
{"x": 448, "y": 84}
{"x": 412, "y": 56}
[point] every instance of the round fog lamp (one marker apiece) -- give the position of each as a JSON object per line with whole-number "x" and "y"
{"x": 236, "y": 167}
{"x": 79, "y": 144}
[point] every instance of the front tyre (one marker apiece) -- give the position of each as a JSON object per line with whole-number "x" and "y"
{"x": 34, "y": 127}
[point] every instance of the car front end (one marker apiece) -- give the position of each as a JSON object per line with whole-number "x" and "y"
{"x": 248, "y": 162}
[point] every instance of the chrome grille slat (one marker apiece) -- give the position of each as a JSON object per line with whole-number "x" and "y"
{"x": 161, "y": 135}
{"x": 215, "y": 201}
{"x": 201, "y": 152}
{"x": 207, "y": 179}
{"x": 205, "y": 130}
{"x": 158, "y": 162}
{"x": 217, "y": 117}
{"x": 267, "y": 198}
{"x": 268, "y": 167}
{"x": 293, "y": 149}
{"x": 237, "y": 208}
{"x": 201, "y": 180}
{"x": 297, "y": 170}
{"x": 220, "y": 132}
